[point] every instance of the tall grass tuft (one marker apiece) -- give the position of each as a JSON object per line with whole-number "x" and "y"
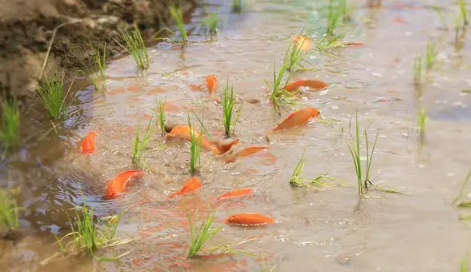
{"x": 99, "y": 63}
{"x": 463, "y": 12}
{"x": 8, "y": 211}
{"x": 90, "y": 233}
{"x": 52, "y": 95}
{"x": 430, "y": 56}
{"x": 9, "y": 124}
{"x": 421, "y": 122}
{"x": 211, "y": 23}
{"x": 296, "y": 180}
{"x": 278, "y": 95}
{"x": 135, "y": 46}
{"x": 333, "y": 18}
{"x": 195, "y": 148}
{"x": 140, "y": 145}
{"x": 200, "y": 235}
{"x": 177, "y": 15}
{"x": 236, "y": 6}
{"x": 418, "y": 71}
{"x": 227, "y": 103}
{"x": 363, "y": 176}
{"x": 161, "y": 115}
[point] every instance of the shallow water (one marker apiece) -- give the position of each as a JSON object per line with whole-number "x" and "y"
{"x": 316, "y": 230}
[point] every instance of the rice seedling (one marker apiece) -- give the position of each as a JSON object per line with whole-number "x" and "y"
{"x": 346, "y": 10}
{"x": 278, "y": 95}
{"x": 99, "y": 64}
{"x": 332, "y": 18}
{"x": 464, "y": 265}
{"x": 463, "y": 12}
{"x": 421, "y": 122}
{"x": 8, "y": 211}
{"x": 177, "y": 15}
{"x": 211, "y": 23}
{"x": 430, "y": 56}
{"x": 296, "y": 180}
{"x": 90, "y": 233}
{"x": 161, "y": 115}
{"x": 52, "y": 95}
{"x": 438, "y": 10}
{"x": 140, "y": 145}
{"x": 463, "y": 191}
{"x": 327, "y": 44}
{"x": 200, "y": 235}
{"x": 236, "y": 6}
{"x": 9, "y": 124}
{"x": 227, "y": 103}
{"x": 418, "y": 71}
{"x": 135, "y": 46}
{"x": 363, "y": 176}
{"x": 201, "y": 121}
{"x": 195, "y": 149}
{"x": 296, "y": 56}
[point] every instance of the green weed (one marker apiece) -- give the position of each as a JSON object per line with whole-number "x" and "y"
{"x": 278, "y": 95}
{"x": 227, "y": 103}
{"x": 8, "y": 211}
{"x": 195, "y": 149}
{"x": 421, "y": 122}
{"x": 430, "y": 56}
{"x": 327, "y": 44}
{"x": 463, "y": 12}
{"x": 438, "y": 10}
{"x": 135, "y": 46}
{"x": 458, "y": 200}
{"x": 177, "y": 15}
{"x": 200, "y": 235}
{"x": 237, "y": 6}
{"x": 140, "y": 145}
{"x": 333, "y": 18}
{"x": 97, "y": 73}
{"x": 418, "y": 71}
{"x": 90, "y": 233}
{"x": 161, "y": 115}
{"x": 211, "y": 23}
{"x": 9, "y": 124}
{"x": 52, "y": 95}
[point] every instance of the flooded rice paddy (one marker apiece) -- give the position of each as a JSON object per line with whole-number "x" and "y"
{"x": 317, "y": 229}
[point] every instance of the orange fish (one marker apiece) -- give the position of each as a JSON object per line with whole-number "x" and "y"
{"x": 297, "y": 118}
{"x": 88, "y": 143}
{"x": 251, "y": 150}
{"x": 236, "y": 193}
{"x": 303, "y": 43}
{"x": 252, "y": 219}
{"x": 315, "y": 84}
{"x": 354, "y": 44}
{"x": 225, "y": 145}
{"x": 192, "y": 183}
{"x": 117, "y": 185}
{"x": 183, "y": 132}
{"x": 212, "y": 84}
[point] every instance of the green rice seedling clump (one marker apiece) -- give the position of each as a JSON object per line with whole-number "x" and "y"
{"x": 418, "y": 71}
{"x": 237, "y": 6}
{"x": 421, "y": 122}
{"x": 278, "y": 95}
{"x": 135, "y": 46}
{"x": 430, "y": 56}
{"x": 52, "y": 95}
{"x": 333, "y": 18}
{"x": 9, "y": 124}
{"x": 463, "y": 12}
{"x": 195, "y": 151}
{"x": 227, "y": 103}
{"x": 8, "y": 211}
{"x": 177, "y": 15}
{"x": 211, "y": 23}
{"x": 200, "y": 235}
{"x": 99, "y": 63}
{"x": 140, "y": 145}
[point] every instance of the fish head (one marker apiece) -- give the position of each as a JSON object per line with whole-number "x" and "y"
{"x": 314, "y": 112}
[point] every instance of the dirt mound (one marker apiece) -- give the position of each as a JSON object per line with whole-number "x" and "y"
{"x": 27, "y": 27}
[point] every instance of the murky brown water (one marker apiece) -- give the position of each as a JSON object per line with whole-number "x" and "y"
{"x": 324, "y": 230}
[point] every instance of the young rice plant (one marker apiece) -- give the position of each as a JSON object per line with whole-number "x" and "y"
{"x": 135, "y": 46}
{"x": 140, "y": 145}
{"x": 9, "y": 124}
{"x": 52, "y": 95}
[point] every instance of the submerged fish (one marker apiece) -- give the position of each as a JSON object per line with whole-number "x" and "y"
{"x": 212, "y": 84}
{"x": 226, "y": 145}
{"x": 312, "y": 83}
{"x": 117, "y": 185}
{"x": 184, "y": 132}
{"x": 354, "y": 44}
{"x": 297, "y": 118}
{"x": 236, "y": 193}
{"x": 88, "y": 143}
{"x": 303, "y": 43}
{"x": 250, "y": 150}
{"x": 192, "y": 184}
{"x": 251, "y": 219}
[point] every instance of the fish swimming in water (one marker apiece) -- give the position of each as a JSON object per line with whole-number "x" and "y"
{"x": 354, "y": 44}
{"x": 212, "y": 84}
{"x": 249, "y": 219}
{"x": 297, "y": 118}
{"x": 303, "y": 43}
{"x": 250, "y": 150}
{"x": 184, "y": 132}
{"x": 118, "y": 184}
{"x": 235, "y": 193}
{"x": 226, "y": 145}
{"x": 311, "y": 83}
{"x": 192, "y": 184}
{"x": 88, "y": 143}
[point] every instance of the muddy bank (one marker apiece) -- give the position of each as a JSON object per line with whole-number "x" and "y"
{"x": 27, "y": 26}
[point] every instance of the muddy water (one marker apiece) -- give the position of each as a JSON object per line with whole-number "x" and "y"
{"x": 316, "y": 230}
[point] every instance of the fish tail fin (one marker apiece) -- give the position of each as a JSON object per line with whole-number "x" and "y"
{"x": 172, "y": 195}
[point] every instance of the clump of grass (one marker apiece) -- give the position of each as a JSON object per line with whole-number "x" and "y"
{"x": 327, "y": 44}
{"x": 363, "y": 175}
{"x": 430, "y": 56}
{"x": 135, "y": 46}
{"x": 421, "y": 122}
{"x": 90, "y": 233}
{"x": 177, "y": 15}
{"x": 200, "y": 235}
{"x": 211, "y": 23}
{"x": 8, "y": 211}
{"x": 463, "y": 13}
{"x": 99, "y": 63}
{"x": 333, "y": 18}
{"x": 52, "y": 95}
{"x": 140, "y": 145}
{"x": 438, "y": 10}
{"x": 229, "y": 112}
{"x": 278, "y": 95}
{"x": 418, "y": 71}
{"x": 295, "y": 179}
{"x": 195, "y": 149}
{"x": 237, "y": 6}
{"x": 9, "y": 124}
{"x": 458, "y": 200}
{"x": 161, "y": 115}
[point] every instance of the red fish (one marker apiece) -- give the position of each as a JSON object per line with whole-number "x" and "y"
{"x": 303, "y": 43}
{"x": 117, "y": 185}
{"x": 314, "y": 84}
{"x": 250, "y": 150}
{"x": 192, "y": 184}
{"x": 212, "y": 84}
{"x": 354, "y": 44}
{"x": 251, "y": 219}
{"x": 184, "y": 132}
{"x": 226, "y": 145}
{"x": 88, "y": 143}
{"x": 297, "y": 118}
{"x": 236, "y": 193}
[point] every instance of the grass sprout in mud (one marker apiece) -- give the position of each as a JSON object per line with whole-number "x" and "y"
{"x": 278, "y": 95}
{"x": 161, "y": 115}
{"x": 463, "y": 17}
{"x": 99, "y": 64}
{"x": 430, "y": 56}
{"x": 8, "y": 211}
{"x": 90, "y": 233}
{"x": 9, "y": 124}
{"x": 135, "y": 46}
{"x": 211, "y": 23}
{"x": 177, "y": 15}
{"x": 52, "y": 94}
{"x": 327, "y": 44}
{"x": 237, "y": 6}
{"x": 464, "y": 191}
{"x": 421, "y": 122}
{"x": 296, "y": 56}
{"x": 418, "y": 71}
{"x": 230, "y": 115}
{"x": 140, "y": 145}
{"x": 333, "y": 17}
{"x": 196, "y": 140}
{"x": 200, "y": 235}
